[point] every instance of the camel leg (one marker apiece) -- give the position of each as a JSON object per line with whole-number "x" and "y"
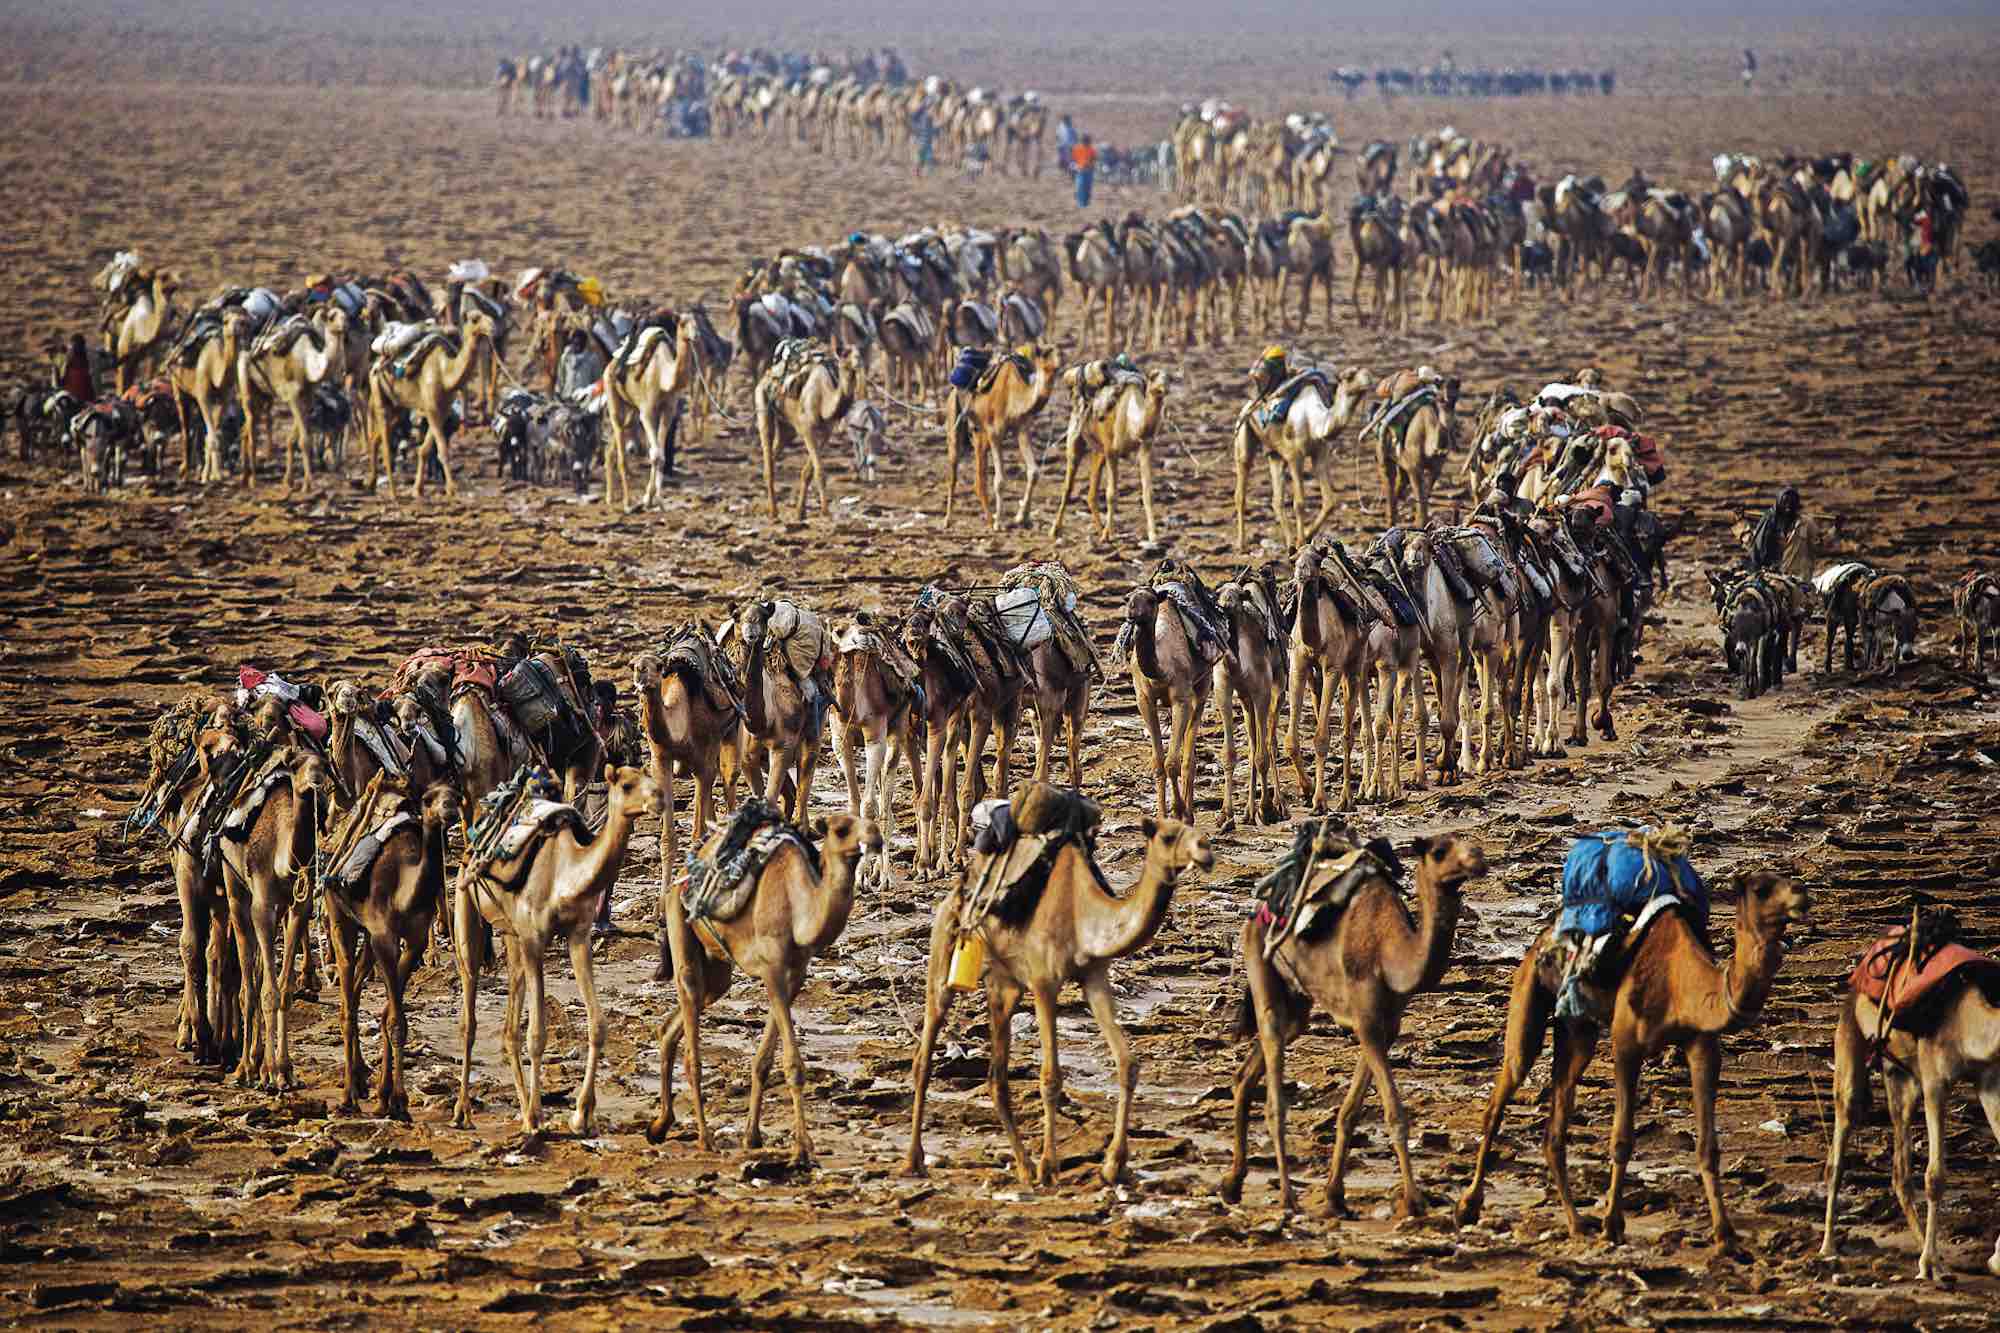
{"x": 1396, "y": 1120}
{"x": 197, "y": 1032}
{"x": 937, "y": 1003}
{"x": 1073, "y": 721}
{"x": 1574, "y": 1045}
{"x": 1529, "y": 1008}
{"x": 1627, "y": 1060}
{"x": 1044, "y": 998}
{"x": 1031, "y": 470}
{"x": 663, "y": 777}
{"x": 534, "y": 966}
{"x": 1098, "y": 527}
{"x": 1247, "y": 1075}
{"x": 1323, "y": 723}
{"x": 1069, "y": 483}
{"x": 1989, "y": 1101}
{"x": 760, "y": 1072}
{"x": 1266, "y": 998}
{"x": 271, "y": 998}
{"x": 1295, "y": 669}
{"x": 1003, "y": 996}
{"x": 1097, "y": 991}
{"x": 795, "y": 1067}
{"x": 691, "y": 1006}
{"x": 1350, "y": 1113}
{"x": 843, "y": 739}
{"x": 1145, "y": 492}
{"x": 1850, "y": 1092}
{"x": 586, "y": 982}
{"x": 248, "y": 1026}
{"x": 1150, "y": 711}
{"x": 1935, "y": 1087}
{"x": 1353, "y": 695}
{"x": 1110, "y": 495}
{"x": 346, "y": 940}
{"x": 389, "y": 1100}
{"x": 1704, "y": 1056}
{"x": 1227, "y": 704}
{"x": 510, "y": 1032}
{"x": 1901, "y": 1090}
{"x": 465, "y": 929}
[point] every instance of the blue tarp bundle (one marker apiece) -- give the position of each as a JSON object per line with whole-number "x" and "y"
{"x": 1617, "y": 871}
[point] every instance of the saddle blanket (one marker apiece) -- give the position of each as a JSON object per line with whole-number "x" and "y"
{"x": 1911, "y": 991}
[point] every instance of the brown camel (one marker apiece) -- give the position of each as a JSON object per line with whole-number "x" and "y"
{"x": 206, "y": 377}
{"x": 1976, "y": 603}
{"x": 1412, "y": 451}
{"x": 1363, "y": 972}
{"x": 1099, "y": 274}
{"x": 1171, "y": 664}
{"x": 1030, "y": 260}
{"x": 285, "y": 365}
{"x": 1302, "y": 438}
{"x": 1252, "y": 670}
{"x": 1378, "y": 251}
{"x": 209, "y": 1017}
{"x": 1309, "y": 242}
{"x": 685, "y": 733}
{"x": 142, "y": 328}
{"x": 390, "y": 907}
{"x": 1075, "y": 932}
{"x": 426, "y": 393}
{"x": 1959, "y": 1039}
{"x": 258, "y": 872}
{"x": 1003, "y": 405}
{"x": 793, "y": 915}
{"x": 551, "y": 891}
{"x": 1120, "y": 423}
{"x": 781, "y": 738}
{"x": 807, "y": 405}
{"x": 1673, "y": 993}
{"x": 1329, "y": 640}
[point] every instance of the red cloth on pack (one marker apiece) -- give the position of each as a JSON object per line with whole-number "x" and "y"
{"x": 1871, "y": 975}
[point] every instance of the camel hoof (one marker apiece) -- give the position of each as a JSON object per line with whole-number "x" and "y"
{"x": 579, "y": 1124}
{"x": 754, "y": 1140}
{"x": 802, "y": 1159}
{"x": 1467, "y": 1212}
{"x": 1230, "y": 1192}
{"x": 1227, "y": 825}
{"x": 350, "y": 1105}
{"x": 1335, "y": 1206}
{"x": 914, "y": 1167}
{"x": 656, "y": 1129}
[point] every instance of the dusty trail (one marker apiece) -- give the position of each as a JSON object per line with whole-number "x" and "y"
{"x": 132, "y": 1184}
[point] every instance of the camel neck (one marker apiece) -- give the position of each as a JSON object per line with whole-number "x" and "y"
{"x": 1145, "y": 648}
{"x": 1746, "y": 983}
{"x": 1421, "y": 961}
{"x": 1113, "y": 927}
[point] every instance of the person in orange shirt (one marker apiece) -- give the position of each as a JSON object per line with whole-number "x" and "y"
{"x": 1084, "y": 158}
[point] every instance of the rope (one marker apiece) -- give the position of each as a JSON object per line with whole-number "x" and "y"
{"x": 925, "y": 408}
{"x": 715, "y": 402}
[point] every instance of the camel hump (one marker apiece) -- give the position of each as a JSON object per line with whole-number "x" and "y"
{"x": 722, "y": 878}
{"x": 1305, "y": 894}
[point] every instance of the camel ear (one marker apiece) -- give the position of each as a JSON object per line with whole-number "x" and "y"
{"x": 1420, "y": 845}
{"x": 610, "y": 773}
{"x": 819, "y": 826}
{"x": 1148, "y": 827}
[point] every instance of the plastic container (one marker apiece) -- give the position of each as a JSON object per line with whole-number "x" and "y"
{"x": 968, "y": 962}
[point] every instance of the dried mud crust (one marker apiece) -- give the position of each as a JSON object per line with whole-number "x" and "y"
{"x": 135, "y": 1185}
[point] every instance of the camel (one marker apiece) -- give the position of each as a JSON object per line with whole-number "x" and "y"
{"x": 807, "y": 406}
{"x": 1118, "y": 423}
{"x": 391, "y": 908}
{"x": 425, "y": 393}
{"x": 1412, "y": 452}
{"x": 142, "y": 329}
{"x": 1788, "y": 216}
{"x": 781, "y": 737}
{"x": 206, "y": 379}
{"x": 1363, "y": 972}
{"x": 1960, "y": 1040}
{"x": 288, "y": 364}
{"x": 648, "y": 384}
{"x": 1252, "y": 670}
{"x": 1003, "y": 405}
{"x": 1976, "y": 602}
{"x": 954, "y": 705}
{"x": 1725, "y": 220}
{"x": 685, "y": 733}
{"x": 1030, "y": 261}
{"x": 258, "y": 874}
{"x": 552, "y": 890}
{"x": 1459, "y": 636}
{"x": 792, "y": 917}
{"x": 1375, "y": 169}
{"x": 1170, "y": 665}
{"x": 1059, "y": 691}
{"x": 908, "y": 337}
{"x": 1309, "y": 243}
{"x": 1075, "y": 932}
{"x": 878, "y": 714}
{"x": 1378, "y": 250}
{"x": 208, "y": 1016}
{"x": 1665, "y": 227}
{"x": 1582, "y": 642}
{"x": 1304, "y": 437}
{"x": 1673, "y": 993}
{"x": 1329, "y": 638}
{"x": 1099, "y": 273}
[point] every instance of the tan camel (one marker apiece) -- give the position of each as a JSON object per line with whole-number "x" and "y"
{"x": 793, "y": 915}
{"x": 1003, "y": 405}
{"x": 878, "y": 715}
{"x": 648, "y": 385}
{"x": 1252, "y": 671}
{"x": 1170, "y": 665}
{"x": 426, "y": 394}
{"x": 1099, "y": 274}
{"x": 1957, "y": 1039}
{"x": 1673, "y": 993}
{"x": 685, "y": 733}
{"x": 959, "y": 708}
{"x": 552, "y": 890}
{"x": 390, "y": 908}
{"x": 1075, "y": 932}
{"x": 208, "y": 1014}
{"x": 781, "y": 738}
{"x": 285, "y": 366}
{"x": 142, "y": 329}
{"x": 1119, "y": 424}
{"x": 1412, "y": 452}
{"x": 1379, "y": 251}
{"x": 258, "y": 873}
{"x": 1302, "y": 439}
{"x": 1309, "y": 241}
{"x": 806, "y": 406}
{"x": 206, "y": 379}
{"x": 1363, "y": 972}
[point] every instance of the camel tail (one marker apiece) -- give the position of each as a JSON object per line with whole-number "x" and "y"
{"x": 1850, "y": 1064}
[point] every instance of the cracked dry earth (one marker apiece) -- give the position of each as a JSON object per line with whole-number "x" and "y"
{"x": 135, "y": 1187}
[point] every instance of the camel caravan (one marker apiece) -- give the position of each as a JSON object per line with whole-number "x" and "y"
{"x": 293, "y": 811}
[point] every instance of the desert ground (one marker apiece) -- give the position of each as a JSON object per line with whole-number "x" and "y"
{"x": 239, "y": 142}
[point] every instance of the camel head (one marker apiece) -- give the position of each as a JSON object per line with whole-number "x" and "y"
{"x": 751, "y": 624}
{"x": 310, "y": 774}
{"x": 846, "y": 837}
{"x": 347, "y": 699}
{"x": 334, "y": 321}
{"x": 1449, "y": 861}
{"x": 1306, "y": 568}
{"x": 211, "y": 746}
{"x": 478, "y": 324}
{"x": 1047, "y": 361}
{"x": 1772, "y": 902}
{"x": 442, "y": 805}
{"x": 1180, "y": 845}
{"x": 1142, "y": 605}
{"x": 645, "y": 673}
{"x": 1156, "y": 386}
{"x": 632, "y": 791}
